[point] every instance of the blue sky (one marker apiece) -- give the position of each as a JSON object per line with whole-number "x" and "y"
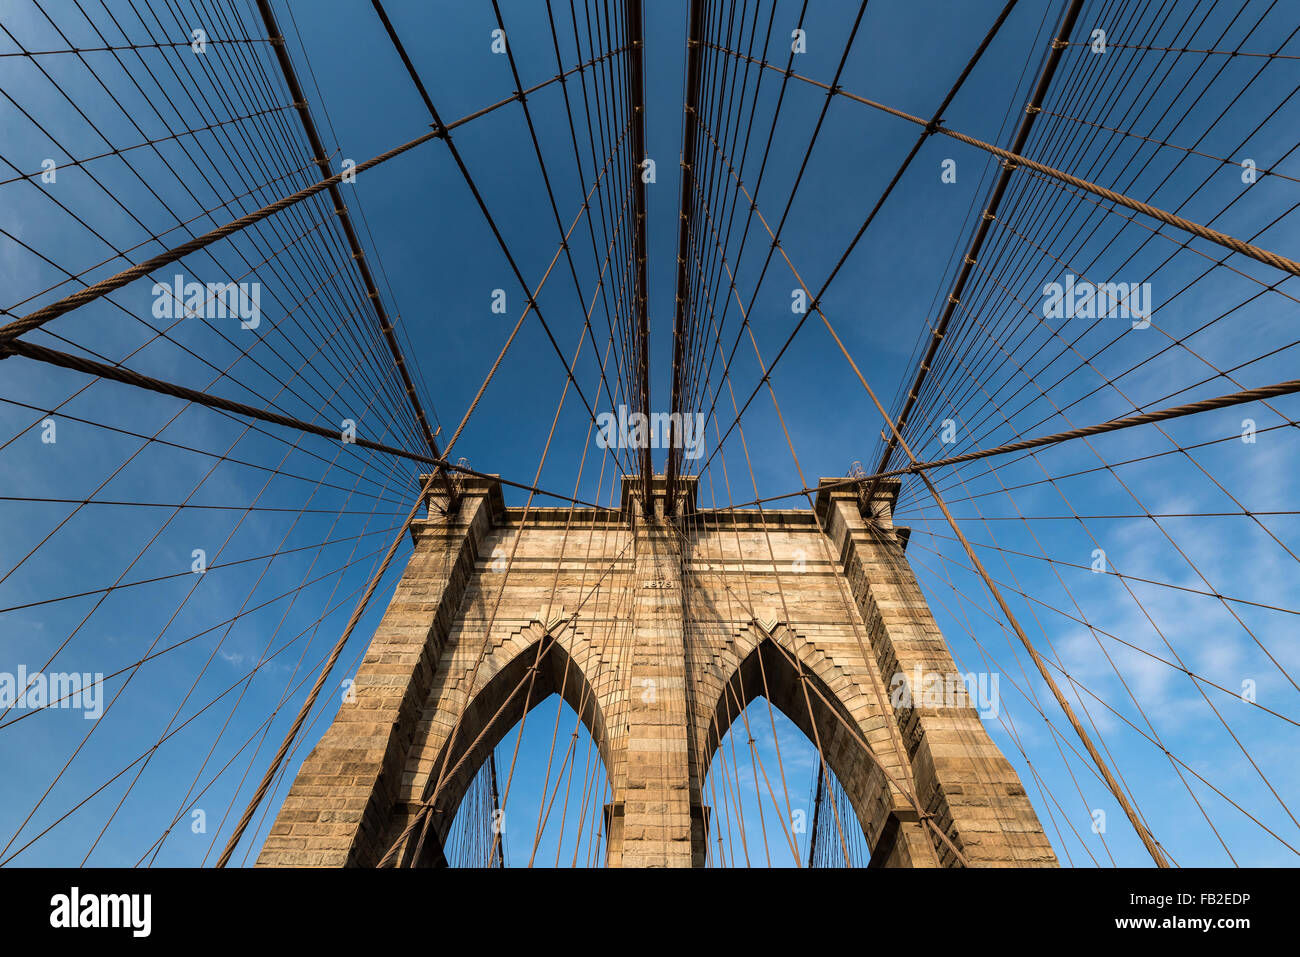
{"x": 438, "y": 267}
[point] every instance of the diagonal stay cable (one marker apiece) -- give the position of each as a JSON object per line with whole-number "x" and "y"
{"x": 478, "y": 197}
{"x": 129, "y": 377}
{"x": 36, "y": 319}
{"x": 931, "y": 127}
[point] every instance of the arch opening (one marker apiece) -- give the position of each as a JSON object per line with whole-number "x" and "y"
{"x": 772, "y": 802}
{"x": 790, "y": 784}
{"x": 521, "y": 783}
{"x": 539, "y": 798}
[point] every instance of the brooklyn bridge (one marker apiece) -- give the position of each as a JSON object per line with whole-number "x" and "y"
{"x": 596, "y": 433}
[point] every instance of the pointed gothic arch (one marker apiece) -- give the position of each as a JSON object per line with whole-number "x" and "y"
{"x": 792, "y": 675}
{"x": 456, "y": 735}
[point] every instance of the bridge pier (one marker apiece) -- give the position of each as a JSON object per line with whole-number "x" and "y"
{"x": 657, "y": 630}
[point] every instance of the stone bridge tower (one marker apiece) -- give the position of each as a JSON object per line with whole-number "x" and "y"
{"x": 657, "y": 631}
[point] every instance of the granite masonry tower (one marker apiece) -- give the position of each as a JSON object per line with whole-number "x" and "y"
{"x": 657, "y": 630}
